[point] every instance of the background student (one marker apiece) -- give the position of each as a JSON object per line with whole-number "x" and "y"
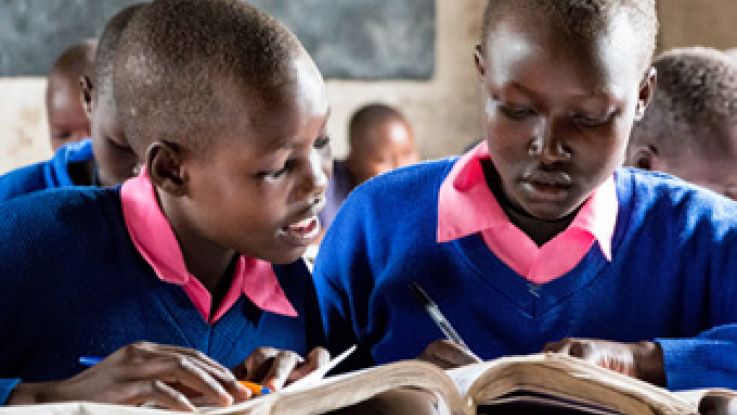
{"x": 105, "y": 159}
{"x": 536, "y": 239}
{"x": 381, "y": 139}
{"x": 200, "y": 254}
{"x": 690, "y": 128}
{"x": 67, "y": 120}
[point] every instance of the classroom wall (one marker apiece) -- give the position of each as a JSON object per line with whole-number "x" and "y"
{"x": 444, "y": 110}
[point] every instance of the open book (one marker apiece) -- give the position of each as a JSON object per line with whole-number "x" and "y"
{"x": 541, "y": 383}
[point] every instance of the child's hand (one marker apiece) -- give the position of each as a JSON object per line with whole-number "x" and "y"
{"x": 447, "y": 354}
{"x": 275, "y": 368}
{"x": 642, "y": 360}
{"x": 167, "y": 376}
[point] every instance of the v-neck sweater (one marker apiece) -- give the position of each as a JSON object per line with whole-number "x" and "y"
{"x": 672, "y": 278}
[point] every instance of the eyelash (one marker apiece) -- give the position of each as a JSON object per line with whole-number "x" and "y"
{"x": 517, "y": 114}
{"x": 585, "y": 121}
{"x": 320, "y": 143}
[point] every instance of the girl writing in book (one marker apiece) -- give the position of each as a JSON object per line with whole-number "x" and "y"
{"x": 537, "y": 239}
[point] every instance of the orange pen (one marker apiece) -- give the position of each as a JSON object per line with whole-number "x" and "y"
{"x": 254, "y": 387}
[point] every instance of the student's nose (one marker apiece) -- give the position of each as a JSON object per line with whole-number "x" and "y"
{"x": 315, "y": 181}
{"x": 547, "y": 145}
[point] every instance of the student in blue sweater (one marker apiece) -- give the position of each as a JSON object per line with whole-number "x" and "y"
{"x": 192, "y": 268}
{"x": 690, "y": 128}
{"x": 536, "y": 239}
{"x": 105, "y": 159}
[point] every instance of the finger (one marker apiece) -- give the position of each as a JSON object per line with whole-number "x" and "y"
{"x": 317, "y": 358}
{"x": 259, "y": 362}
{"x": 157, "y": 392}
{"x": 173, "y": 369}
{"x": 557, "y": 347}
{"x": 195, "y": 354}
{"x": 226, "y": 378}
{"x": 447, "y": 354}
{"x": 283, "y": 364}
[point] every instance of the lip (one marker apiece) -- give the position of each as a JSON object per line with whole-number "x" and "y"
{"x": 304, "y": 229}
{"x": 302, "y": 232}
{"x": 547, "y": 187}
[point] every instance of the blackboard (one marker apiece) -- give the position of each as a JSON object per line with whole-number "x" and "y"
{"x": 349, "y": 39}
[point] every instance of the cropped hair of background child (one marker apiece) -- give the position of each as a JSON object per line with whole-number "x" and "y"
{"x": 690, "y": 128}
{"x": 536, "y": 239}
{"x": 192, "y": 269}
{"x": 105, "y": 158}
{"x": 67, "y": 121}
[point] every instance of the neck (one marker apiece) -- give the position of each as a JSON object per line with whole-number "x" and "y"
{"x": 352, "y": 165}
{"x": 540, "y": 231}
{"x": 205, "y": 260}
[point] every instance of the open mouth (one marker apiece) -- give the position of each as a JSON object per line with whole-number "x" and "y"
{"x": 305, "y": 231}
{"x": 547, "y": 187}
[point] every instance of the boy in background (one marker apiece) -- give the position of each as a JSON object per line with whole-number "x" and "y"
{"x": 67, "y": 120}
{"x": 380, "y": 139}
{"x": 105, "y": 159}
{"x": 192, "y": 268}
{"x": 690, "y": 128}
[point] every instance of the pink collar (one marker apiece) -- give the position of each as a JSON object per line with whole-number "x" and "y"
{"x": 466, "y": 206}
{"x": 154, "y": 239}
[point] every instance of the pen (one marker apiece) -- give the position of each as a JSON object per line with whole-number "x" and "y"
{"x": 436, "y": 316}
{"x": 255, "y": 388}
{"x": 90, "y": 361}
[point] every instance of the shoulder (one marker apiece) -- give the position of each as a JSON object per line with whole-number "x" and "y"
{"x": 405, "y": 184}
{"x": 23, "y": 180}
{"x": 660, "y": 197}
{"x": 51, "y": 209}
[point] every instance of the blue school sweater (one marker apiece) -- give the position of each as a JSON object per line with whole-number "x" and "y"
{"x": 47, "y": 174}
{"x": 73, "y": 284}
{"x": 673, "y": 277}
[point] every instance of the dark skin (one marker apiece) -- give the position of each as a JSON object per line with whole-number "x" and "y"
{"x": 67, "y": 120}
{"x": 559, "y": 111}
{"x": 114, "y": 158}
{"x": 259, "y": 175}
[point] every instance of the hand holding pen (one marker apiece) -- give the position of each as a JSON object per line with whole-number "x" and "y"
{"x": 167, "y": 376}
{"x": 447, "y": 353}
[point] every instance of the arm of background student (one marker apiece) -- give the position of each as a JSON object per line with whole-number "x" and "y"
{"x": 276, "y": 368}
{"x": 168, "y": 376}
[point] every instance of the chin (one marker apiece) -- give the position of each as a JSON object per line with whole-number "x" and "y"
{"x": 549, "y": 213}
{"x": 284, "y": 258}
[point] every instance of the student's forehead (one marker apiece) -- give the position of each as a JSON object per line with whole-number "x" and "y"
{"x": 534, "y": 46}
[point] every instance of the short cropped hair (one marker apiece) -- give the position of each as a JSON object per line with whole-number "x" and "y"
{"x": 75, "y": 61}
{"x": 368, "y": 117}
{"x": 176, "y": 56}
{"x": 107, "y": 45}
{"x": 586, "y": 18}
{"x": 695, "y": 97}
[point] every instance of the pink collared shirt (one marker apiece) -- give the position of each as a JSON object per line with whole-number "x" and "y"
{"x": 466, "y": 205}
{"x": 154, "y": 239}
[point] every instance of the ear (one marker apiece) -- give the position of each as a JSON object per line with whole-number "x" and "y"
{"x": 478, "y": 57}
{"x": 87, "y": 91}
{"x": 164, "y": 162}
{"x": 647, "y": 90}
{"x": 645, "y": 157}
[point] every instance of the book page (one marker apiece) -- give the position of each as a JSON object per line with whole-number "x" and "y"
{"x": 340, "y": 391}
{"x": 569, "y": 378}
